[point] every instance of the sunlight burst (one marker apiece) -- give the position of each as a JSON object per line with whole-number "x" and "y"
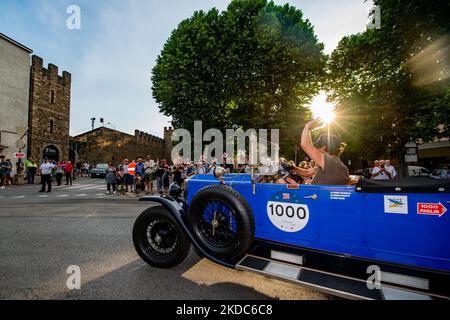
{"x": 321, "y": 109}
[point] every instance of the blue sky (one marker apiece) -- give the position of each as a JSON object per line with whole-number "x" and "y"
{"x": 111, "y": 56}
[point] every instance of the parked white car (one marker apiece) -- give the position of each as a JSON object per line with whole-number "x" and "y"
{"x": 416, "y": 171}
{"x": 436, "y": 174}
{"x": 439, "y": 174}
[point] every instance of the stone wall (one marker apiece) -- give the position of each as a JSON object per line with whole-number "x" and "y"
{"x": 49, "y": 111}
{"x": 103, "y": 144}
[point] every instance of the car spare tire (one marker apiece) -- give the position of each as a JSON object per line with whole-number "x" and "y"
{"x": 222, "y": 221}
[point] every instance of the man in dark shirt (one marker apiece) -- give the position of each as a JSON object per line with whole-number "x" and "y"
{"x": 325, "y": 152}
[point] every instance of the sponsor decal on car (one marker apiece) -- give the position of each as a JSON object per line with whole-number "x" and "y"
{"x": 340, "y": 195}
{"x": 396, "y": 204}
{"x": 431, "y": 209}
{"x": 287, "y": 213}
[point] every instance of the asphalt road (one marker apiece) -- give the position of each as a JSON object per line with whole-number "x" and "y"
{"x": 40, "y": 237}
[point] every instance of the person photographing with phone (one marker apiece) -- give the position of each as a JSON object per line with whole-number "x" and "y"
{"x": 379, "y": 172}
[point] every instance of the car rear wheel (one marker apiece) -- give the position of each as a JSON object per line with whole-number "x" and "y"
{"x": 158, "y": 238}
{"x": 222, "y": 221}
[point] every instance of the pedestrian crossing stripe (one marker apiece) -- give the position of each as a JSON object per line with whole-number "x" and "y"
{"x": 87, "y": 186}
{"x": 93, "y": 187}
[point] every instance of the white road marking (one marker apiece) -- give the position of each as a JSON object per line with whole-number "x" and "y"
{"x": 62, "y": 195}
{"x": 94, "y": 187}
{"x": 43, "y": 196}
{"x": 77, "y": 186}
{"x": 81, "y": 195}
{"x": 18, "y": 197}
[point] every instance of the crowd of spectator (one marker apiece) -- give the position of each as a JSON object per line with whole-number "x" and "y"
{"x": 145, "y": 175}
{"x": 383, "y": 170}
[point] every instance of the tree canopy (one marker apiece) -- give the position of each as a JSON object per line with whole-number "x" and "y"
{"x": 392, "y": 84}
{"x": 254, "y": 65}
{"x": 258, "y": 64}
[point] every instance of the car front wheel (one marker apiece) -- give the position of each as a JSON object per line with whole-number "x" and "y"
{"x": 158, "y": 238}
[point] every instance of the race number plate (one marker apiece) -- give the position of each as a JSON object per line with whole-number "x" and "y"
{"x": 287, "y": 216}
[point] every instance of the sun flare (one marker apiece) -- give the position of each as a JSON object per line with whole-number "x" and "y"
{"x": 321, "y": 109}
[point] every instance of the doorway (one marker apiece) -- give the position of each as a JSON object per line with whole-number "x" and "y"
{"x": 51, "y": 152}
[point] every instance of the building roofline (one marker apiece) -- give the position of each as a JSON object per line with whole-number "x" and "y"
{"x": 434, "y": 145}
{"x": 14, "y": 42}
{"x": 99, "y": 128}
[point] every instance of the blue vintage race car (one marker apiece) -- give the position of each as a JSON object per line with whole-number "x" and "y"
{"x": 372, "y": 240}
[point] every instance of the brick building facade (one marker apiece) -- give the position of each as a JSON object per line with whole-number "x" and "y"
{"x": 102, "y": 145}
{"x": 49, "y": 112}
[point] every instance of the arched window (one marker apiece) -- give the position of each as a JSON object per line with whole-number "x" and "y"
{"x": 52, "y": 96}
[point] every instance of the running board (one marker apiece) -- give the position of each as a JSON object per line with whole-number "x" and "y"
{"x": 333, "y": 284}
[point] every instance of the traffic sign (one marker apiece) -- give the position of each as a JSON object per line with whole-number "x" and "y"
{"x": 21, "y": 131}
{"x": 432, "y": 209}
{"x": 19, "y": 155}
{"x": 20, "y": 144}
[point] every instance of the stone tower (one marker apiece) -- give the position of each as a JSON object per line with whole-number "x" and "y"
{"x": 49, "y": 112}
{"x": 168, "y": 143}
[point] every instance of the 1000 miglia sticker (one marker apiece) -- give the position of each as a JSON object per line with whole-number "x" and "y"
{"x": 287, "y": 213}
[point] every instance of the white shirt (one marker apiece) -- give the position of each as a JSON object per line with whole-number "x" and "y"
{"x": 392, "y": 171}
{"x": 46, "y": 168}
{"x": 149, "y": 165}
{"x": 381, "y": 176}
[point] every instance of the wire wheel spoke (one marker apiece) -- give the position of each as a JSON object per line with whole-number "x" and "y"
{"x": 217, "y": 223}
{"x": 161, "y": 238}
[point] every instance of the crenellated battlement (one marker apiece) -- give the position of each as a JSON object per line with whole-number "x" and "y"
{"x": 144, "y": 136}
{"x": 51, "y": 72}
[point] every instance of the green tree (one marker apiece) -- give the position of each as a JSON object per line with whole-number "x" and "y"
{"x": 392, "y": 84}
{"x": 254, "y": 65}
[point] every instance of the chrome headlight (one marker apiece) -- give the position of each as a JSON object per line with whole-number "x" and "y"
{"x": 219, "y": 172}
{"x": 175, "y": 190}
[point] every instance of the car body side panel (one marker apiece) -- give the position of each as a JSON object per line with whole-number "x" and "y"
{"x": 346, "y": 222}
{"x": 394, "y": 227}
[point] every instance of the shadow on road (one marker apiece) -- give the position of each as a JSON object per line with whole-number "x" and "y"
{"x": 138, "y": 280}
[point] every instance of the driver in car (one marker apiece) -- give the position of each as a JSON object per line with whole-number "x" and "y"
{"x": 325, "y": 152}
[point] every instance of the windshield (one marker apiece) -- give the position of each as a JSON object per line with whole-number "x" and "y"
{"x": 102, "y": 166}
